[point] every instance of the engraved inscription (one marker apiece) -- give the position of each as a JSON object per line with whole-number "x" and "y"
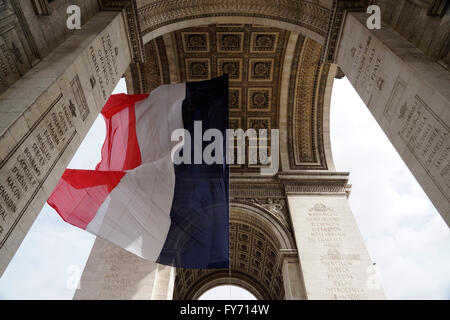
{"x": 80, "y": 99}
{"x": 14, "y": 62}
{"x": 25, "y": 169}
{"x": 367, "y": 62}
{"x": 103, "y": 59}
{"x": 395, "y": 98}
{"x": 326, "y": 230}
{"x": 428, "y": 139}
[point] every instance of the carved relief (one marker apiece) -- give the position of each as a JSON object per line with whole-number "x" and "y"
{"x": 395, "y": 98}
{"x": 305, "y": 102}
{"x": 259, "y": 99}
{"x": 80, "y": 99}
{"x": 196, "y": 41}
{"x": 231, "y": 48}
{"x": 312, "y": 16}
{"x": 264, "y": 42}
{"x": 232, "y": 67}
{"x": 230, "y": 41}
{"x": 260, "y": 69}
{"x": 234, "y": 99}
{"x": 198, "y": 69}
{"x": 277, "y": 207}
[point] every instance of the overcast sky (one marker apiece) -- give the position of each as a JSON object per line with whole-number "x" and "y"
{"x": 404, "y": 234}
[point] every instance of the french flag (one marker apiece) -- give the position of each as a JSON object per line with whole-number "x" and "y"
{"x": 137, "y": 198}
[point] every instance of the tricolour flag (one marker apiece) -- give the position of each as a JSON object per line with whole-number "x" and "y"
{"x": 137, "y": 198}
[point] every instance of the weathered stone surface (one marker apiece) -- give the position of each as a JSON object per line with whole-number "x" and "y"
{"x": 279, "y": 57}
{"x": 45, "y": 115}
{"x": 333, "y": 259}
{"x": 113, "y": 273}
{"x": 409, "y": 95}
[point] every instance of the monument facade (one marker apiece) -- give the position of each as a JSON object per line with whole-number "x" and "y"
{"x": 292, "y": 235}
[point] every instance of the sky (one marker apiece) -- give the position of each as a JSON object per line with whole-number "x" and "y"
{"x": 404, "y": 234}
{"x": 225, "y": 292}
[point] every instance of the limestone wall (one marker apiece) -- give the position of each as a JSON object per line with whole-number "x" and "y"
{"x": 45, "y": 115}
{"x": 408, "y": 93}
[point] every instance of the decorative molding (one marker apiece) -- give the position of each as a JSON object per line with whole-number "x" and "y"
{"x": 336, "y": 20}
{"x": 138, "y": 78}
{"x": 163, "y": 60}
{"x": 35, "y": 56}
{"x": 339, "y": 73}
{"x": 254, "y": 259}
{"x": 315, "y": 187}
{"x": 205, "y": 52}
{"x": 320, "y": 101}
{"x": 277, "y": 207}
{"x": 255, "y": 190}
{"x": 289, "y": 253}
{"x": 306, "y": 14}
{"x": 315, "y": 182}
{"x": 41, "y": 7}
{"x": 133, "y": 25}
{"x": 305, "y": 103}
{"x": 274, "y": 206}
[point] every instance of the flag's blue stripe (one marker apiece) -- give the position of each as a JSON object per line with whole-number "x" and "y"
{"x": 198, "y": 235}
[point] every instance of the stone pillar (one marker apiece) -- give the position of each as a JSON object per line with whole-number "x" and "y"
{"x": 114, "y": 273}
{"x": 333, "y": 259}
{"x": 294, "y": 287}
{"x": 409, "y": 95}
{"x": 164, "y": 283}
{"x": 45, "y": 115}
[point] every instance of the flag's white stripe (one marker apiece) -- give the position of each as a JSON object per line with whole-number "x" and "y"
{"x": 156, "y": 118}
{"x": 136, "y": 214}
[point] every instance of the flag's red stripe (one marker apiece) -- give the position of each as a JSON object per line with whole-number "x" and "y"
{"x": 80, "y": 193}
{"x": 120, "y": 150}
{"x": 133, "y": 153}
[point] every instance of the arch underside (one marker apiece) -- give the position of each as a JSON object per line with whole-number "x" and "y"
{"x": 256, "y": 238}
{"x": 272, "y": 53}
{"x": 256, "y": 59}
{"x": 159, "y": 17}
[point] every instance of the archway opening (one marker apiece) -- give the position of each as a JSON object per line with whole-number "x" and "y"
{"x": 227, "y": 292}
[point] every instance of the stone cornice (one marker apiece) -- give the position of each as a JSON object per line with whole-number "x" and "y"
{"x": 315, "y": 183}
{"x": 336, "y": 19}
{"x": 133, "y": 25}
{"x": 306, "y": 14}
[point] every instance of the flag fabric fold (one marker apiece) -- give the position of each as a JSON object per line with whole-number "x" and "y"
{"x": 137, "y": 198}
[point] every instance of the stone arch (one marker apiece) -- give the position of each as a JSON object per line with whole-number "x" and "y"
{"x": 257, "y": 238}
{"x": 222, "y": 278}
{"x": 304, "y": 17}
{"x": 301, "y": 85}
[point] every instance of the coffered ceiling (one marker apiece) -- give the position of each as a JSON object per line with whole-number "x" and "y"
{"x": 254, "y": 57}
